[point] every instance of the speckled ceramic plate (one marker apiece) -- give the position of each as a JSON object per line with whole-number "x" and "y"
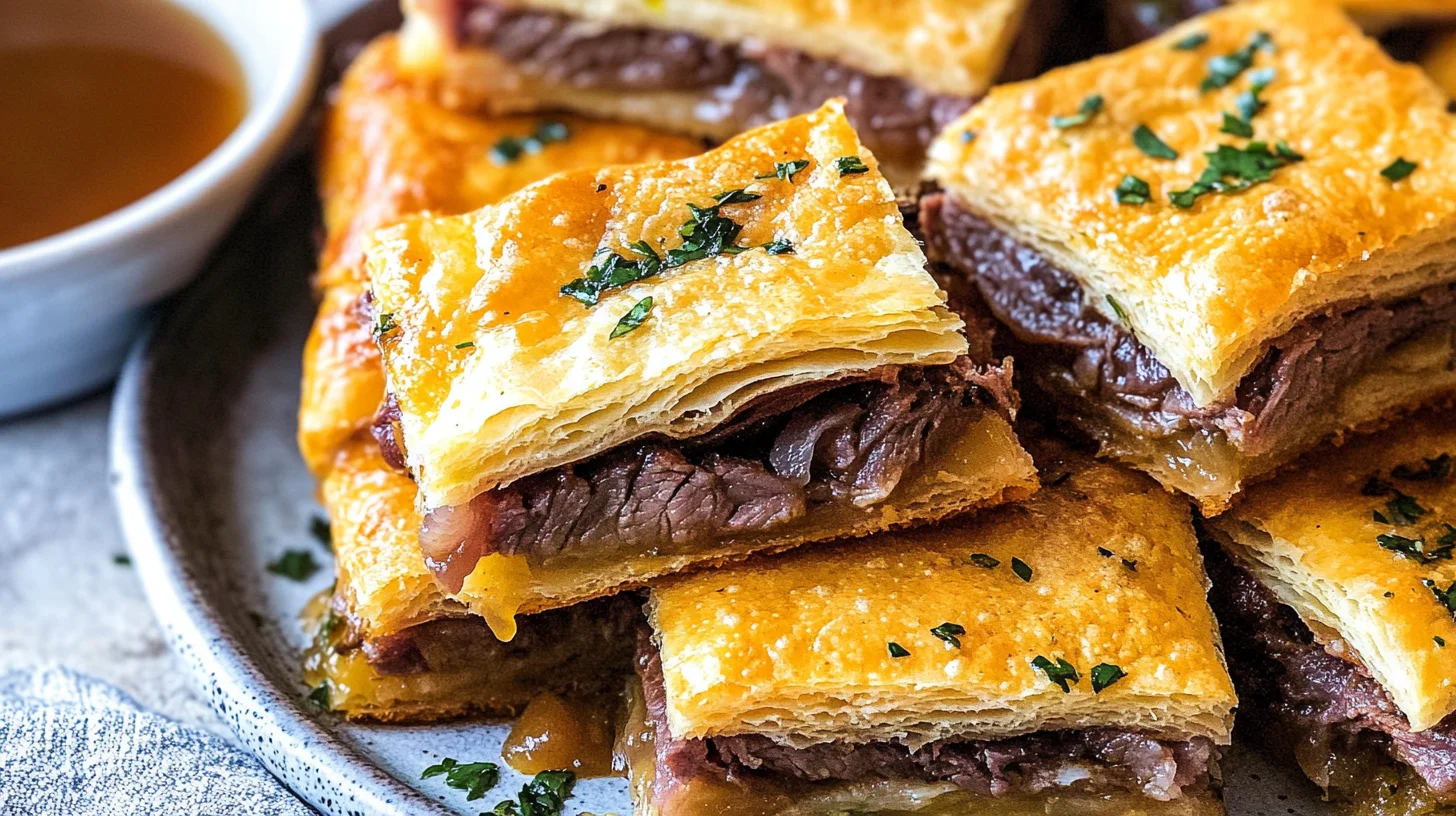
{"x": 210, "y": 488}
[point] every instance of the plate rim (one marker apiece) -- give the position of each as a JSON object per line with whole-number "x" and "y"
{"x": 220, "y": 666}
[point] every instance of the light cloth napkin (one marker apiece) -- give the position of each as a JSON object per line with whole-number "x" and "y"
{"x": 71, "y": 745}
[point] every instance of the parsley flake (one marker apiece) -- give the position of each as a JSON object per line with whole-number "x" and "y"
{"x": 1234, "y": 126}
{"x": 1104, "y": 675}
{"x": 1061, "y": 672}
{"x": 1376, "y": 486}
{"x": 785, "y": 171}
{"x": 950, "y": 633}
{"x": 1446, "y": 596}
{"x": 1191, "y": 42}
{"x": 1148, "y": 142}
{"x": 1090, "y": 108}
{"x": 544, "y": 795}
{"x": 465, "y": 345}
{"x": 850, "y": 166}
{"x": 121, "y": 560}
{"x": 320, "y": 696}
{"x": 984, "y": 560}
{"x": 1435, "y": 470}
{"x": 968, "y": 136}
{"x": 511, "y": 148}
{"x": 1403, "y": 509}
{"x": 1231, "y": 170}
{"x": 297, "y": 565}
{"x": 1398, "y": 169}
{"x": 780, "y": 246}
{"x": 896, "y": 650}
{"x": 1415, "y": 548}
{"x": 319, "y": 528}
{"x": 1440, "y": 641}
{"x": 384, "y": 324}
{"x": 475, "y": 778}
{"x": 633, "y": 318}
{"x": 1132, "y": 190}
{"x": 1021, "y": 569}
{"x": 1225, "y": 68}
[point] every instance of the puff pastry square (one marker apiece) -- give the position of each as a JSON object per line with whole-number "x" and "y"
{"x": 564, "y": 451}
{"x": 1240, "y": 299}
{"x": 715, "y": 68}
{"x": 388, "y": 149}
{"x": 1338, "y": 580}
{"x": 868, "y": 660}
{"x": 391, "y": 647}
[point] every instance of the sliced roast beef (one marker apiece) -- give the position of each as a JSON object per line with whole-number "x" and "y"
{"x": 1057, "y": 332}
{"x": 852, "y": 443}
{"x": 1096, "y": 760}
{"x": 751, "y": 85}
{"x": 1320, "y": 698}
{"x": 603, "y": 628}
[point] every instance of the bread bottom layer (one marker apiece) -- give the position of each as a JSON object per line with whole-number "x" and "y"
{"x": 454, "y": 667}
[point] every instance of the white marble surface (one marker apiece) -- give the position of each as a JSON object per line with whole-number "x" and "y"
{"x": 65, "y": 599}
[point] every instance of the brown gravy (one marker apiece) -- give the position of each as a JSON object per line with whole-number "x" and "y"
{"x": 103, "y": 102}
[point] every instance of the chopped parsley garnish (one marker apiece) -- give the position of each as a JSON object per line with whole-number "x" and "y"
{"x": 1090, "y": 108}
{"x": 1148, "y": 142}
{"x": 1119, "y": 311}
{"x": 1440, "y": 641}
{"x": 544, "y": 795}
{"x": 1225, "y": 68}
{"x": 510, "y": 148}
{"x": 1446, "y": 596}
{"x": 1021, "y": 569}
{"x": 1234, "y": 126}
{"x": 984, "y": 560}
{"x": 1376, "y": 486}
{"x": 475, "y": 778}
{"x": 1104, "y": 675}
{"x": 1104, "y": 552}
{"x": 1434, "y": 470}
{"x": 785, "y": 171}
{"x": 1132, "y": 190}
{"x": 121, "y": 560}
{"x": 297, "y": 565}
{"x": 1398, "y": 169}
{"x": 1191, "y": 42}
{"x": 1129, "y": 564}
{"x": 466, "y": 345}
{"x": 968, "y": 136}
{"x": 320, "y": 696}
{"x": 779, "y": 247}
{"x": 950, "y": 633}
{"x": 1403, "y": 509}
{"x": 850, "y": 166}
{"x": 1415, "y": 548}
{"x": 1231, "y": 170}
{"x": 319, "y": 528}
{"x": 1061, "y": 672}
{"x": 707, "y": 234}
{"x": 632, "y": 319}
{"x": 1248, "y": 102}
{"x": 896, "y": 650}
{"x": 384, "y": 324}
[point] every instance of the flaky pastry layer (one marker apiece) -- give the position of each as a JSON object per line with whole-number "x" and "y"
{"x": 702, "y": 795}
{"x": 1206, "y": 288}
{"x": 945, "y": 46}
{"x": 1106, "y": 571}
{"x": 1312, "y": 537}
{"x": 389, "y": 149}
{"x": 499, "y": 375}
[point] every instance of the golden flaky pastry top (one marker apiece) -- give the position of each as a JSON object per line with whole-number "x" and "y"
{"x": 797, "y": 647}
{"x": 1312, "y": 537}
{"x": 388, "y": 150}
{"x": 1207, "y": 288}
{"x": 498, "y": 374}
{"x": 945, "y": 46}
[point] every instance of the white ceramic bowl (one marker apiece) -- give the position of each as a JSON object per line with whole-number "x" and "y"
{"x": 74, "y": 301}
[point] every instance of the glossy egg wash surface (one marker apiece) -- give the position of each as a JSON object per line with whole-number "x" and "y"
{"x": 103, "y": 102}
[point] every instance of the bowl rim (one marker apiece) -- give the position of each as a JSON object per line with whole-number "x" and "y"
{"x": 264, "y": 125}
